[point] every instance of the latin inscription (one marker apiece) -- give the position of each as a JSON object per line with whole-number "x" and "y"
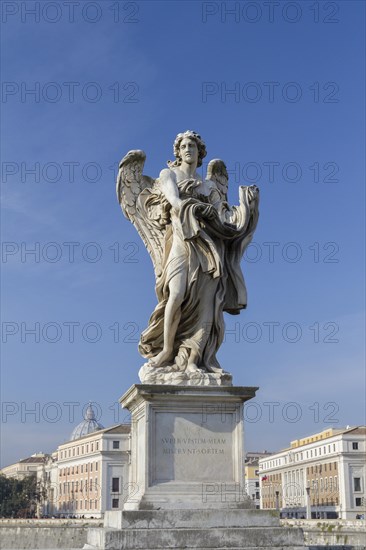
{"x": 191, "y": 446}
{"x": 188, "y": 449}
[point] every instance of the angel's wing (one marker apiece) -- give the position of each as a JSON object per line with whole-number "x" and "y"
{"x": 216, "y": 172}
{"x": 132, "y": 194}
{"x": 130, "y": 181}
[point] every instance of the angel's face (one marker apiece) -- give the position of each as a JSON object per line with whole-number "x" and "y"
{"x": 188, "y": 151}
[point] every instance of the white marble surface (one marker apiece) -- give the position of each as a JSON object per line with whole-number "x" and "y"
{"x": 196, "y": 241}
{"x": 172, "y": 375}
{"x": 186, "y": 446}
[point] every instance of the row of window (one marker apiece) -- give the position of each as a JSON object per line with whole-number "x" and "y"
{"x": 359, "y": 501}
{"x": 79, "y": 450}
{"x": 271, "y": 491}
{"x": 84, "y": 449}
{"x": 324, "y": 502}
{"x": 325, "y": 484}
{"x": 293, "y": 486}
{"x": 70, "y": 487}
{"x": 315, "y": 438}
{"x": 295, "y": 457}
{"x": 82, "y": 468}
{"x": 320, "y": 467}
{"x": 293, "y": 483}
{"x": 275, "y": 477}
{"x": 80, "y": 505}
{"x": 316, "y": 486}
{"x": 272, "y": 503}
{"x": 319, "y": 451}
{"x": 271, "y": 478}
{"x": 312, "y": 453}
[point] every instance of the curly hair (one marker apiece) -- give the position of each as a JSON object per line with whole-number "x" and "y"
{"x": 200, "y": 145}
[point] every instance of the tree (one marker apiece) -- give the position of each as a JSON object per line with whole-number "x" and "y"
{"x": 19, "y": 497}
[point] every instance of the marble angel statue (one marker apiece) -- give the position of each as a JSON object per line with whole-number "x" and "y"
{"x": 196, "y": 242}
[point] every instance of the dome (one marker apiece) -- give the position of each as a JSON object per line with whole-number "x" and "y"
{"x": 88, "y": 425}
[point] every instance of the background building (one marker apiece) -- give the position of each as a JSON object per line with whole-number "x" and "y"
{"x": 25, "y": 466}
{"x": 93, "y": 472}
{"x": 92, "y": 469}
{"x": 85, "y": 476}
{"x": 47, "y": 477}
{"x": 320, "y": 476}
{"x": 252, "y": 485}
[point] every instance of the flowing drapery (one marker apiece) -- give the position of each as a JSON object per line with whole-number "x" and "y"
{"x": 204, "y": 245}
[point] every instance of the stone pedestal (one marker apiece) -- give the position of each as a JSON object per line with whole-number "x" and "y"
{"x": 187, "y": 476}
{"x": 186, "y": 446}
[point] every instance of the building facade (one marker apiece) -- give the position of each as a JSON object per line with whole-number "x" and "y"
{"x": 92, "y": 473}
{"x": 47, "y": 477}
{"x": 85, "y": 476}
{"x": 320, "y": 476}
{"x": 25, "y": 466}
{"x": 252, "y": 484}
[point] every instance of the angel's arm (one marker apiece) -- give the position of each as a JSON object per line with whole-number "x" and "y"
{"x": 169, "y": 187}
{"x": 234, "y": 215}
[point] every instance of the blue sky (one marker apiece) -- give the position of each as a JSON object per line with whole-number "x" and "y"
{"x": 135, "y": 77}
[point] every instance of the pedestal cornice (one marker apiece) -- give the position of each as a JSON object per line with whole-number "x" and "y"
{"x": 153, "y": 392}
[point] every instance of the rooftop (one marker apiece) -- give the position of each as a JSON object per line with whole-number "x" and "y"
{"x": 325, "y": 434}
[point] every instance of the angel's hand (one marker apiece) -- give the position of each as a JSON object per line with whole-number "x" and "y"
{"x": 253, "y": 193}
{"x": 242, "y": 195}
{"x": 248, "y": 195}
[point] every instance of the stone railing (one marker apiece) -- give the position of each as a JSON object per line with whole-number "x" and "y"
{"x": 50, "y": 522}
{"x": 29, "y": 534}
{"x": 331, "y": 532}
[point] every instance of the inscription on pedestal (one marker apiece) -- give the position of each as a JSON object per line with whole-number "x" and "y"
{"x": 189, "y": 446}
{"x": 190, "y": 449}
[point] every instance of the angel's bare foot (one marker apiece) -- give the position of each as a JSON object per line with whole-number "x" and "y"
{"x": 191, "y": 367}
{"x": 193, "y": 359}
{"x": 162, "y": 358}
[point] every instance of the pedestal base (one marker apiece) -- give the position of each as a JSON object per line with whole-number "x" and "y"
{"x": 194, "y": 529}
{"x": 186, "y": 447}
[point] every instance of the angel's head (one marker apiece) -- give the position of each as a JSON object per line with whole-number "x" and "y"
{"x": 201, "y": 147}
